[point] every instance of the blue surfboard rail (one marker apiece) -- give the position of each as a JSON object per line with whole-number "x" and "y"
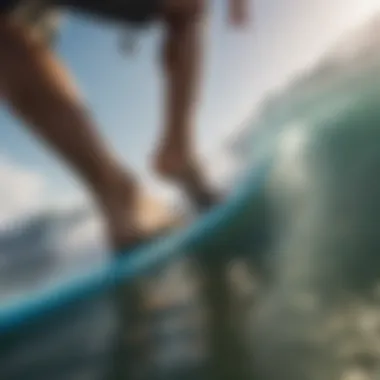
{"x": 30, "y": 307}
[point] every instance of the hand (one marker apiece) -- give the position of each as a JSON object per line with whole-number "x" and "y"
{"x": 238, "y": 12}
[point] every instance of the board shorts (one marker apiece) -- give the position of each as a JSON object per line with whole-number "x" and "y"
{"x": 44, "y": 16}
{"x": 41, "y": 20}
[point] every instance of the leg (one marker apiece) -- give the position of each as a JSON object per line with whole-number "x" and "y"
{"x": 39, "y": 90}
{"x": 182, "y": 60}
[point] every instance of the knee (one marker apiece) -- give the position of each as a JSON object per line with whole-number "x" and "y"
{"x": 194, "y": 9}
{"x": 184, "y": 10}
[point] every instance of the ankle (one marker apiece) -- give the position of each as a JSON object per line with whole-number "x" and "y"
{"x": 114, "y": 187}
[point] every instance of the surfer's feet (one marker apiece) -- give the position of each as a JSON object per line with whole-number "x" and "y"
{"x": 171, "y": 159}
{"x": 177, "y": 165}
{"x": 118, "y": 200}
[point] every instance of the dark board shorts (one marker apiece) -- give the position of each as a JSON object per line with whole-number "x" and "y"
{"x": 44, "y": 15}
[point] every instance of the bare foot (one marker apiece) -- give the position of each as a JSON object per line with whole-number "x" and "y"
{"x": 118, "y": 201}
{"x": 172, "y": 164}
{"x": 171, "y": 161}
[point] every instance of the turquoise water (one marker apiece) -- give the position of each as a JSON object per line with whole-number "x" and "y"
{"x": 80, "y": 342}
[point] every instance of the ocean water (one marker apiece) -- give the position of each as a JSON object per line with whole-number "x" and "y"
{"x": 82, "y": 341}
{"x": 319, "y": 319}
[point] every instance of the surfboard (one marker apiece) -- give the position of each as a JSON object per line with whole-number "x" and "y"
{"x": 214, "y": 231}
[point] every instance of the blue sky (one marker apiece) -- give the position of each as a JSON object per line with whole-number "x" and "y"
{"x": 123, "y": 92}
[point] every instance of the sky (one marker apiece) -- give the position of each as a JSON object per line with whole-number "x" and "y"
{"x": 123, "y": 92}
